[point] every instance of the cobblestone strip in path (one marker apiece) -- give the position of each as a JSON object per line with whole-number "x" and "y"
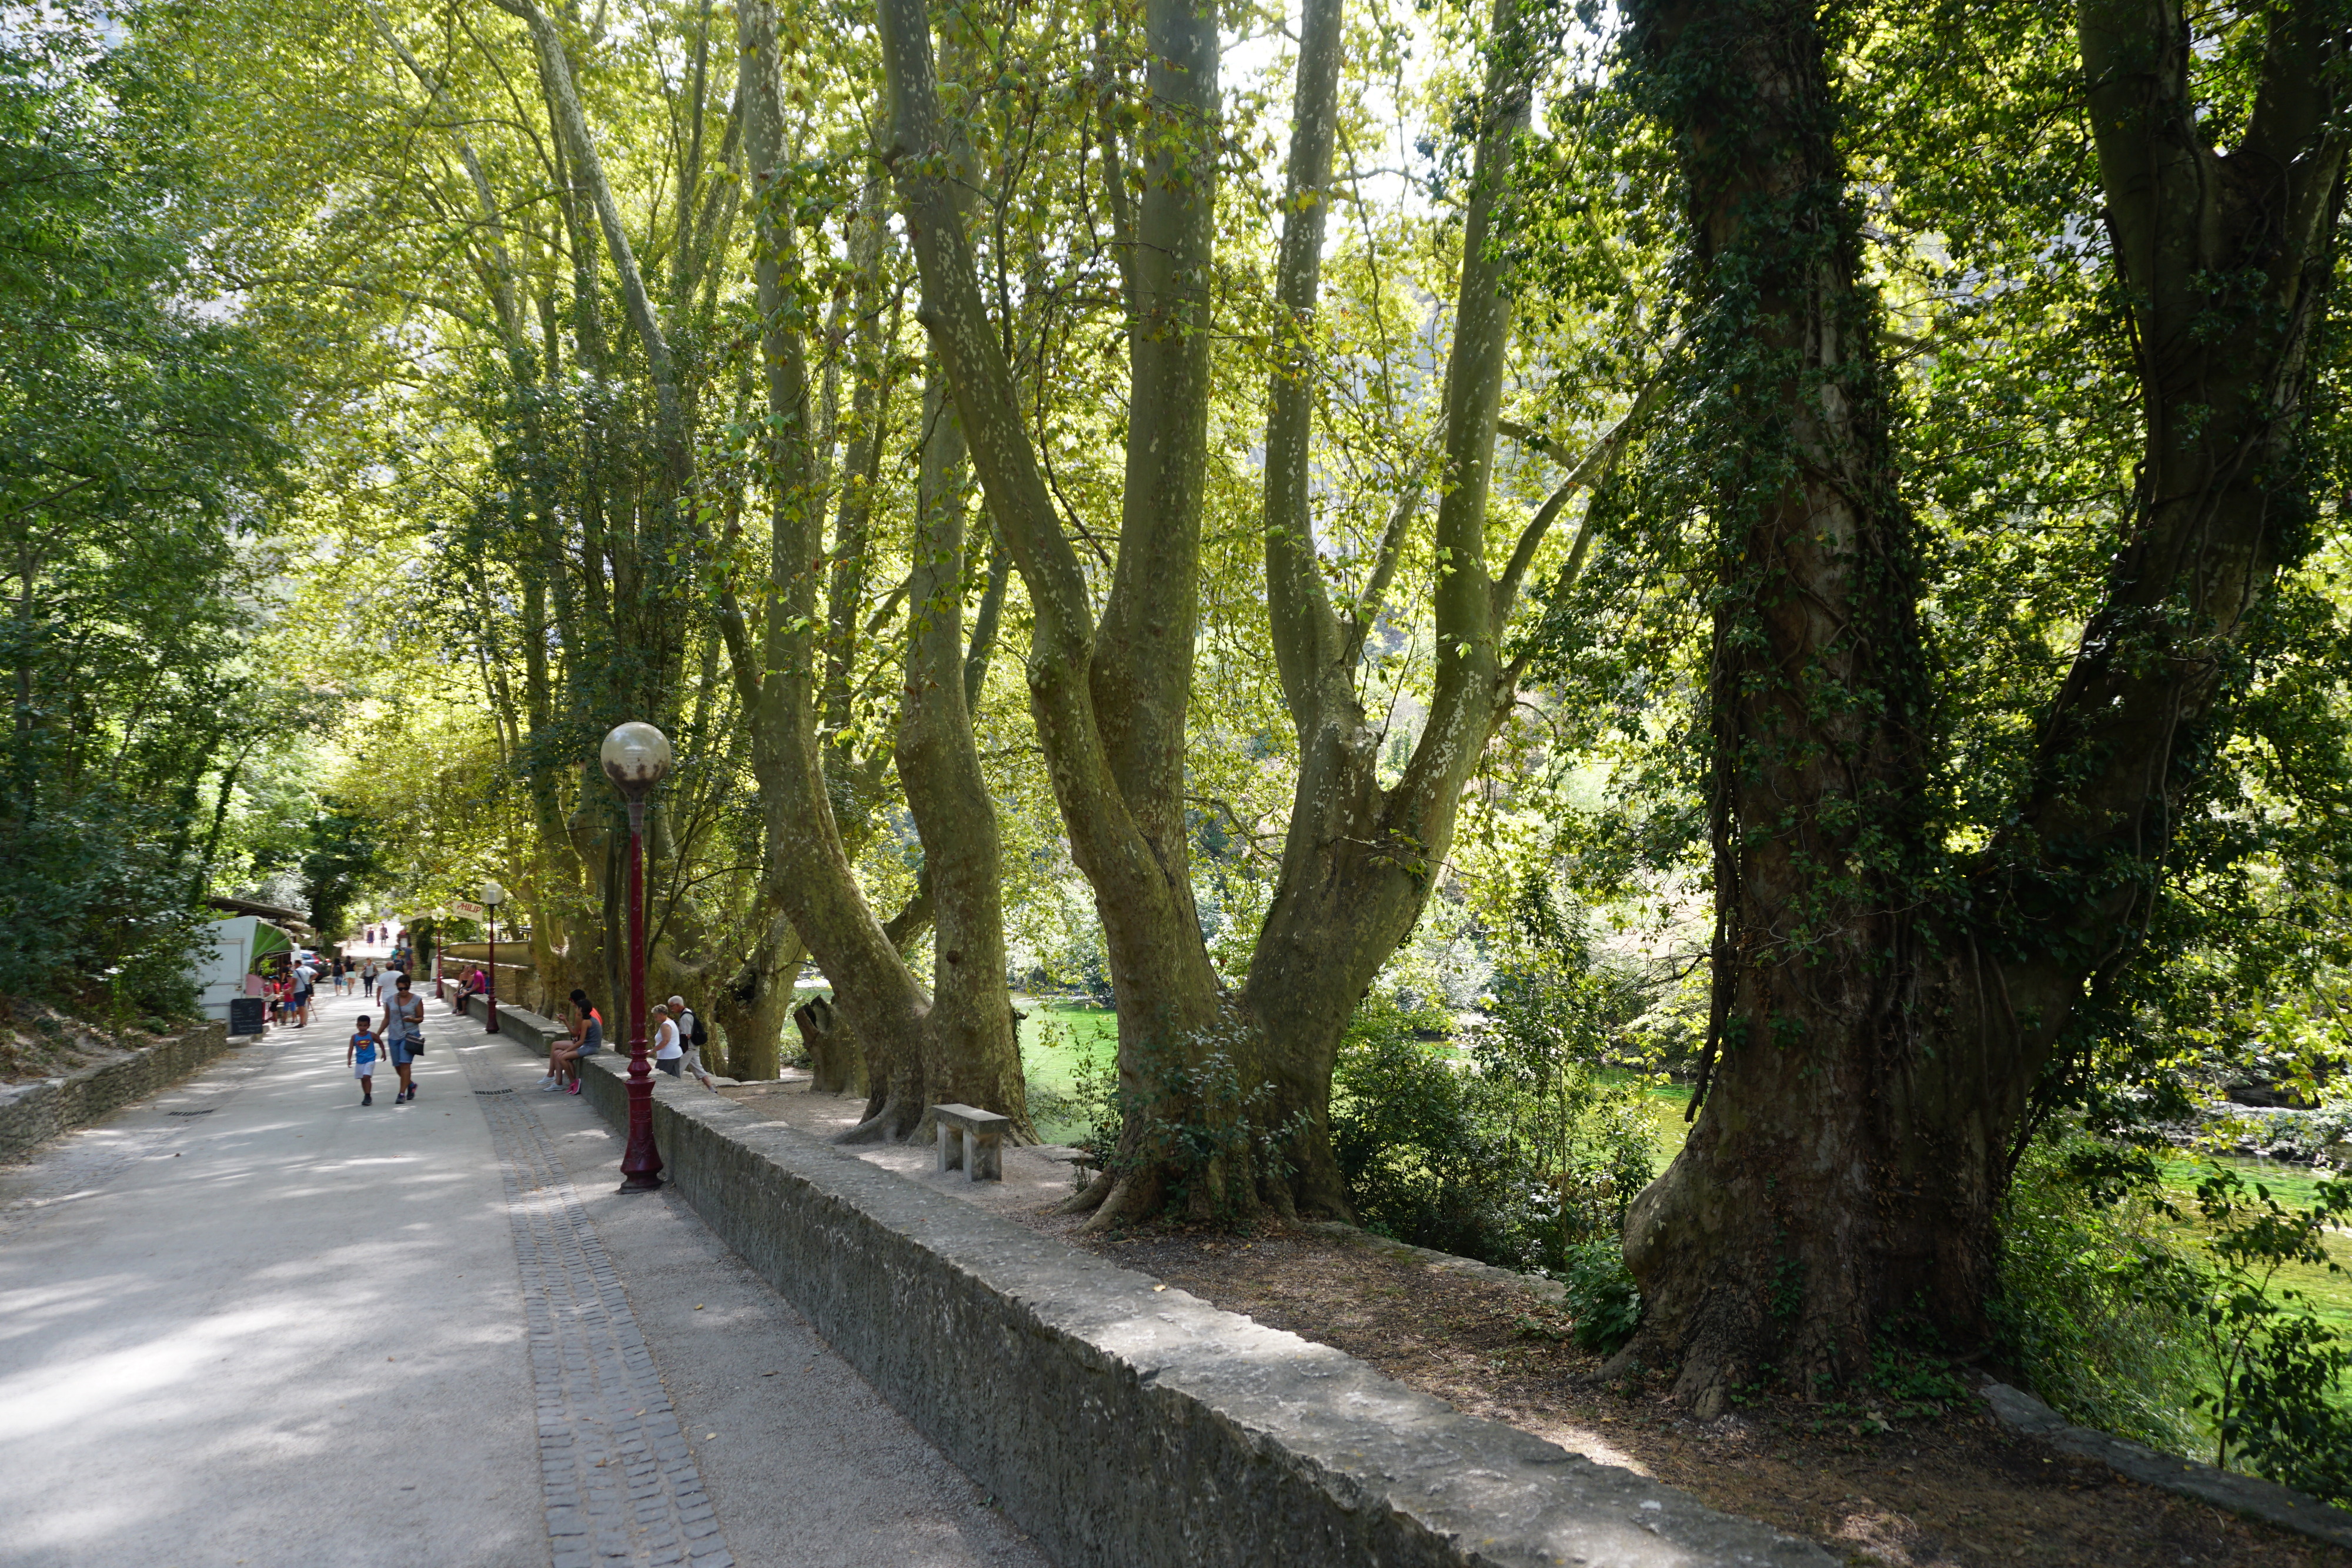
{"x": 78, "y": 1162}
{"x": 621, "y": 1488}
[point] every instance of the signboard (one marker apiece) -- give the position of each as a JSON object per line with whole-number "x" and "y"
{"x": 470, "y": 911}
{"x": 245, "y": 1015}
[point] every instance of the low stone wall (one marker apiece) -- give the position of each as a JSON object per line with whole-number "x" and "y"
{"x": 31, "y": 1114}
{"x": 2249, "y": 1495}
{"x": 528, "y": 1029}
{"x": 1131, "y": 1425}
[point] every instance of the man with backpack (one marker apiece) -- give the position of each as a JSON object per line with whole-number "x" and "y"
{"x": 306, "y": 981}
{"x": 691, "y": 1037}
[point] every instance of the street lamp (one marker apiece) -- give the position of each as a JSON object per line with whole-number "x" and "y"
{"x": 493, "y": 896}
{"x": 440, "y": 940}
{"x": 635, "y": 756}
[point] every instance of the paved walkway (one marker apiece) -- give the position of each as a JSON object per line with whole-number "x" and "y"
{"x": 251, "y": 1322}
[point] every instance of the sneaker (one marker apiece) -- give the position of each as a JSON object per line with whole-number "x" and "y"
{"x": 550, "y": 1084}
{"x": 575, "y": 1087}
{"x": 367, "y": 1099}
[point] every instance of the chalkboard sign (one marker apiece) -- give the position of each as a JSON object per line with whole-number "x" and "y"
{"x": 245, "y": 1015}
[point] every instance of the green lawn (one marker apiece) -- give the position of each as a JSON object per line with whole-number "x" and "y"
{"x": 1056, "y": 1037}
{"x": 2330, "y": 1294}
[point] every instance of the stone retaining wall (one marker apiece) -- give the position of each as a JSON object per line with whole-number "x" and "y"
{"x": 31, "y": 1114}
{"x": 1131, "y": 1425}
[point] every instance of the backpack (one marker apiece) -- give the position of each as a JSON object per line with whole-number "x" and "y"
{"x": 702, "y": 1036}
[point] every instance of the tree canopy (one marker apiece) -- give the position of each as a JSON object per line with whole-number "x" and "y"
{"x": 1795, "y": 547}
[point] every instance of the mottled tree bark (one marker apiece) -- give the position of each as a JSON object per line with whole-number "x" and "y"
{"x": 1110, "y": 699}
{"x": 920, "y": 1047}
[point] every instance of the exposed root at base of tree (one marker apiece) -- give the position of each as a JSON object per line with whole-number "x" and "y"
{"x": 1088, "y": 1199}
{"x": 1111, "y": 1209}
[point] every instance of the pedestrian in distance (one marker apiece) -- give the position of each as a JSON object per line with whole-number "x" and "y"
{"x": 404, "y": 1029}
{"x": 691, "y": 1036}
{"x": 359, "y": 1057}
{"x": 387, "y": 992}
{"x": 666, "y": 1050}
{"x": 306, "y": 981}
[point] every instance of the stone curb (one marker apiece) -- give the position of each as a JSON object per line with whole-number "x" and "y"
{"x": 2248, "y": 1495}
{"x": 32, "y": 1114}
{"x": 1133, "y": 1425}
{"x": 1551, "y": 1292}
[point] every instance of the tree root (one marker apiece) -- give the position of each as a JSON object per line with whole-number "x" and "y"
{"x": 1088, "y": 1199}
{"x": 1131, "y": 1200}
{"x": 881, "y": 1125}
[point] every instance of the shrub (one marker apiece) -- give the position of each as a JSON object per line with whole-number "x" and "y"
{"x": 2277, "y": 1397}
{"x": 1515, "y": 1155}
{"x": 2085, "y": 1307}
{"x": 1601, "y": 1295}
{"x": 2187, "y": 1348}
{"x": 95, "y": 908}
{"x": 1419, "y": 1163}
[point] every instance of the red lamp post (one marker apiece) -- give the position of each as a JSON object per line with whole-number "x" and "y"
{"x": 636, "y": 757}
{"x": 440, "y": 918}
{"x": 493, "y": 896}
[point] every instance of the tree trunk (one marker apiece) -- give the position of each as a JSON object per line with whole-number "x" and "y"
{"x": 970, "y": 1054}
{"x": 836, "y": 1062}
{"x": 1111, "y": 714}
{"x": 1359, "y": 861}
{"x": 1876, "y": 1041}
{"x": 957, "y": 1040}
{"x": 1110, "y": 702}
{"x": 755, "y": 1003}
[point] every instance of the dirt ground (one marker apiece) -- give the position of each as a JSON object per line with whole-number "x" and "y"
{"x": 1929, "y": 1492}
{"x": 1870, "y": 1483}
{"x": 36, "y": 1043}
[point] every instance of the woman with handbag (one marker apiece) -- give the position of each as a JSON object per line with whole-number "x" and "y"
{"x": 405, "y": 1031}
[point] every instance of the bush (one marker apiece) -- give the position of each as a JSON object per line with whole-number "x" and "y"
{"x": 2084, "y": 1307}
{"x": 1419, "y": 1163}
{"x": 2186, "y": 1350}
{"x": 95, "y": 908}
{"x": 1515, "y": 1156}
{"x": 1601, "y": 1295}
{"x": 2280, "y": 1375}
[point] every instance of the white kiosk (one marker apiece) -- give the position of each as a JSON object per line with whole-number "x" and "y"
{"x": 239, "y": 944}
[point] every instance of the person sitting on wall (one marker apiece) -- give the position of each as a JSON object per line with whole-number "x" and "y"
{"x": 587, "y": 1037}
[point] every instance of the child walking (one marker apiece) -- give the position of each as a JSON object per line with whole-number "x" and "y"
{"x": 360, "y": 1058}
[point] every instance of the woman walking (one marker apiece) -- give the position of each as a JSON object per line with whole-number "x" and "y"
{"x": 405, "y": 1029}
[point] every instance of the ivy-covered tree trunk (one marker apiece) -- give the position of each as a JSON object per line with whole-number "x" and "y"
{"x": 1881, "y": 1016}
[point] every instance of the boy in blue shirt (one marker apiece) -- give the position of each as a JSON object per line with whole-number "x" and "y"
{"x": 359, "y": 1056}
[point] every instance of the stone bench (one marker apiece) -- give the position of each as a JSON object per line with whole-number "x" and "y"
{"x": 974, "y": 1139}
